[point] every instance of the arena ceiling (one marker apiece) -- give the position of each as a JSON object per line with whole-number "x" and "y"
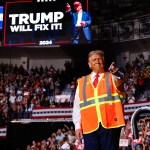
{"x": 113, "y": 9}
{"x": 118, "y": 9}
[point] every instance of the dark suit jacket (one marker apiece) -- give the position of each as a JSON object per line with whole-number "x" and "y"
{"x": 86, "y": 17}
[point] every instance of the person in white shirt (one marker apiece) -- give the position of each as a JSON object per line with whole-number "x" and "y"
{"x": 97, "y": 111}
{"x": 81, "y": 22}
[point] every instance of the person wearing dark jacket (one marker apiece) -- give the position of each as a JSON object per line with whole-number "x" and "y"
{"x": 81, "y": 22}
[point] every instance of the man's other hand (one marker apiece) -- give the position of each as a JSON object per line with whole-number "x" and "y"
{"x": 68, "y": 7}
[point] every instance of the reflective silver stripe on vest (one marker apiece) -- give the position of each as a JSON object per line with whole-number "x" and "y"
{"x": 113, "y": 98}
{"x": 85, "y": 102}
{"x": 108, "y": 88}
{"x": 109, "y": 97}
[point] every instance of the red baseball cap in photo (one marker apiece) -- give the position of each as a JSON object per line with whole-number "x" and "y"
{"x": 77, "y": 3}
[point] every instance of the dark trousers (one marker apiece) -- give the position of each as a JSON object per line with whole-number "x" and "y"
{"x": 102, "y": 139}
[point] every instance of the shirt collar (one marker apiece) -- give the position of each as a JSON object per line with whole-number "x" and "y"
{"x": 93, "y": 75}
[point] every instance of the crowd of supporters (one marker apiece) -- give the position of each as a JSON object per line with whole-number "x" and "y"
{"x": 23, "y": 90}
{"x": 137, "y": 85}
{"x": 64, "y": 138}
{"x": 61, "y": 139}
{"x": 143, "y": 142}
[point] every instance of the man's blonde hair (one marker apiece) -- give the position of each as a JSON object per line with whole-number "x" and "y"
{"x": 99, "y": 52}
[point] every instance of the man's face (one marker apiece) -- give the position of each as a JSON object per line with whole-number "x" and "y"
{"x": 77, "y": 6}
{"x": 96, "y": 63}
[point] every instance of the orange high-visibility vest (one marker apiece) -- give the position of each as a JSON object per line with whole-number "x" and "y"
{"x": 100, "y": 104}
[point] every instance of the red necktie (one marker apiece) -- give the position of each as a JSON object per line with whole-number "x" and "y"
{"x": 96, "y": 80}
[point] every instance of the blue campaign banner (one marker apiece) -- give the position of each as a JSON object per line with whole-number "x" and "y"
{"x": 1, "y": 17}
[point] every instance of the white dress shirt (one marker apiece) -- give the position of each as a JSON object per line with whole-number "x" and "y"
{"x": 76, "y": 116}
{"x": 78, "y": 24}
